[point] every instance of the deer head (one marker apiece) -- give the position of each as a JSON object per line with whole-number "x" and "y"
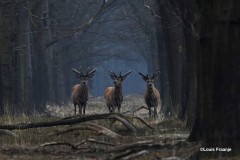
{"x": 118, "y": 79}
{"x": 84, "y": 77}
{"x": 150, "y": 80}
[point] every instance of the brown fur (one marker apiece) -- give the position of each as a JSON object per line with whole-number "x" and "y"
{"x": 114, "y": 98}
{"x": 114, "y": 95}
{"x": 152, "y": 99}
{"x": 152, "y": 96}
{"x": 79, "y": 97}
{"x": 80, "y": 91}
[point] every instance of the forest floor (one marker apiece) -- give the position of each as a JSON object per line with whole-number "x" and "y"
{"x": 98, "y": 139}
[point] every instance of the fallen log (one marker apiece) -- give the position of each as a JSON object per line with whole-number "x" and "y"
{"x": 91, "y": 126}
{"x": 70, "y": 121}
{"x": 143, "y": 121}
{"x": 72, "y": 146}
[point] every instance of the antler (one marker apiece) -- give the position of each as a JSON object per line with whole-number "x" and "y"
{"x": 145, "y": 77}
{"x": 120, "y": 74}
{"x": 112, "y": 74}
{"x": 78, "y": 73}
{"x": 91, "y": 73}
{"x": 155, "y": 75}
{"x": 125, "y": 75}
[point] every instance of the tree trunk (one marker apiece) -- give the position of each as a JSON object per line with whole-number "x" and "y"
{"x": 175, "y": 55}
{"x": 26, "y": 54}
{"x": 7, "y": 35}
{"x": 1, "y": 93}
{"x": 166, "y": 101}
{"x": 187, "y": 10}
{"x": 50, "y": 56}
{"x": 218, "y": 98}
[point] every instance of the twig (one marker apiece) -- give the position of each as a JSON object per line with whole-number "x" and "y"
{"x": 94, "y": 141}
{"x": 125, "y": 122}
{"x": 138, "y": 109}
{"x": 142, "y": 107}
{"x": 94, "y": 127}
{"x": 135, "y": 155}
{"x": 81, "y": 27}
{"x": 122, "y": 154}
{"x": 59, "y": 143}
{"x": 144, "y": 122}
{"x": 152, "y": 12}
{"x": 8, "y": 132}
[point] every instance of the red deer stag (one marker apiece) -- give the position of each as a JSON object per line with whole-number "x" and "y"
{"x": 114, "y": 95}
{"x": 152, "y": 96}
{"x": 80, "y": 91}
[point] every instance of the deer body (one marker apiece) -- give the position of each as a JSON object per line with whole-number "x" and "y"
{"x": 152, "y": 96}
{"x": 152, "y": 99}
{"x": 80, "y": 91}
{"x": 80, "y": 97}
{"x": 114, "y": 95}
{"x": 114, "y": 98}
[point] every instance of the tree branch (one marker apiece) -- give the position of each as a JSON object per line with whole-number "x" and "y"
{"x": 81, "y": 27}
{"x": 91, "y": 126}
{"x": 76, "y": 120}
{"x": 135, "y": 155}
{"x": 59, "y": 143}
{"x": 4, "y": 131}
{"x": 94, "y": 141}
{"x": 143, "y": 121}
{"x": 152, "y": 12}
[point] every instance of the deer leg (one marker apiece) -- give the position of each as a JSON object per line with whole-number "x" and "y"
{"x": 119, "y": 108}
{"x": 80, "y": 108}
{"x": 109, "y": 108}
{"x": 155, "y": 112}
{"x": 150, "y": 111}
{"x": 75, "y": 109}
{"x": 84, "y": 107}
{"x": 113, "y": 108}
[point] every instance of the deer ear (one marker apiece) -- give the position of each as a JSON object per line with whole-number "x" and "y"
{"x": 143, "y": 76}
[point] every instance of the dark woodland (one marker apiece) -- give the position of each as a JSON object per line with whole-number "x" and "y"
{"x": 187, "y": 50}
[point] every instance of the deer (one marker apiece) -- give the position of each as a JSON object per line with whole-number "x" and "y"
{"x": 114, "y": 95}
{"x": 80, "y": 91}
{"x": 152, "y": 96}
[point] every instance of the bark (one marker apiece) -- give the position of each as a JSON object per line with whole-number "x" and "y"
{"x": 25, "y": 57}
{"x": 7, "y": 35}
{"x": 72, "y": 120}
{"x": 94, "y": 127}
{"x": 218, "y": 97}
{"x": 175, "y": 55}
{"x": 188, "y": 16}
{"x": 166, "y": 100}
{"x": 41, "y": 83}
{"x": 1, "y": 94}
